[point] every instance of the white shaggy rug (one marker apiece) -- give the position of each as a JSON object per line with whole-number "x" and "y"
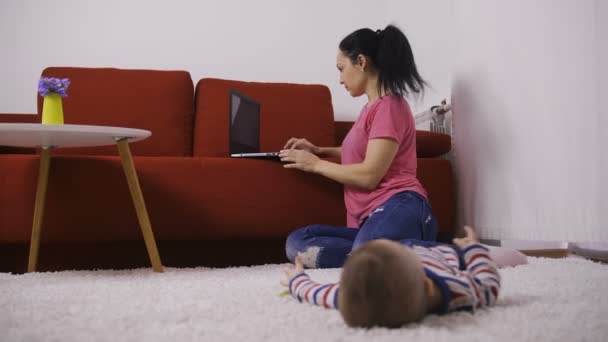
{"x": 547, "y": 300}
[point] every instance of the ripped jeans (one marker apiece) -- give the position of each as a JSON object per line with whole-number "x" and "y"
{"x": 406, "y": 215}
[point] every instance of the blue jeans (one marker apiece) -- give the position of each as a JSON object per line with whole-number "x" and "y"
{"x": 406, "y": 215}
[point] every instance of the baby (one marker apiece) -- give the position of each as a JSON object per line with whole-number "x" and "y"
{"x": 389, "y": 283}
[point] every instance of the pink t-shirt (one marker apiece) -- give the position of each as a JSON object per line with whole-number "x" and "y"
{"x": 388, "y": 117}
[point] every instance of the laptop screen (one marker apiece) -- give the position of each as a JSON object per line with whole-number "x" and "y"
{"x": 244, "y": 124}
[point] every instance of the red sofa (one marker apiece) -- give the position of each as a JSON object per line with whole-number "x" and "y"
{"x": 205, "y": 208}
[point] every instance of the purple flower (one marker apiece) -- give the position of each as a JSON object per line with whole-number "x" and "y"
{"x": 48, "y": 85}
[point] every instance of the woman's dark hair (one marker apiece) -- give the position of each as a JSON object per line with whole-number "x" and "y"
{"x": 391, "y": 56}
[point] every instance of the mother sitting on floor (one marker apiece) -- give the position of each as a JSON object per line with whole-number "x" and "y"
{"x": 383, "y": 197}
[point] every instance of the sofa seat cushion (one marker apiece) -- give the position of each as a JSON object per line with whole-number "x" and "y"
{"x": 287, "y": 110}
{"x": 155, "y": 100}
{"x": 187, "y": 198}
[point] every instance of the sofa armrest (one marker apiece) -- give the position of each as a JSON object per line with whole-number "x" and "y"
{"x": 431, "y": 144}
{"x": 428, "y": 144}
{"x": 18, "y": 118}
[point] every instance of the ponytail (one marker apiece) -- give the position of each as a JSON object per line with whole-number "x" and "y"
{"x": 391, "y": 57}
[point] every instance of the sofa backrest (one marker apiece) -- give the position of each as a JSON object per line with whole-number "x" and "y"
{"x": 287, "y": 110}
{"x": 155, "y": 100}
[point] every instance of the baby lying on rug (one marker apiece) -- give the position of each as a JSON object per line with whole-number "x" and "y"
{"x": 389, "y": 283}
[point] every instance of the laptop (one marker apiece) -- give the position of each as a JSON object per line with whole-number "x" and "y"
{"x": 245, "y": 128}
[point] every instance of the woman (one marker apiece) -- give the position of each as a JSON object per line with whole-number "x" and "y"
{"x": 383, "y": 197}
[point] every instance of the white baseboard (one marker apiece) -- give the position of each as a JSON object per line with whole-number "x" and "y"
{"x": 531, "y": 245}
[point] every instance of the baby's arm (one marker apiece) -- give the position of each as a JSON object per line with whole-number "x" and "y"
{"x": 480, "y": 267}
{"x": 302, "y": 288}
{"x": 486, "y": 280}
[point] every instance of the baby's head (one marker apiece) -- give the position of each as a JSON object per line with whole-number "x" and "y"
{"x": 382, "y": 284}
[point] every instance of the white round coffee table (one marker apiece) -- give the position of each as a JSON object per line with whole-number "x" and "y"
{"x": 48, "y": 136}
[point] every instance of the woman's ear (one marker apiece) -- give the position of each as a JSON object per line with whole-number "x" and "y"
{"x": 361, "y": 62}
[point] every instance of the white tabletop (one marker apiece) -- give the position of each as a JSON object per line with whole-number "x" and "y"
{"x": 47, "y": 135}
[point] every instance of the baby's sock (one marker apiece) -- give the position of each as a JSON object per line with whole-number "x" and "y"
{"x": 506, "y": 257}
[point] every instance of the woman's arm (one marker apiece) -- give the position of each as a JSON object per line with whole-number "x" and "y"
{"x": 366, "y": 175}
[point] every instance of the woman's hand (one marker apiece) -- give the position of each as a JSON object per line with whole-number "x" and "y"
{"x": 299, "y": 159}
{"x": 301, "y": 144}
{"x": 469, "y": 239}
{"x": 291, "y": 271}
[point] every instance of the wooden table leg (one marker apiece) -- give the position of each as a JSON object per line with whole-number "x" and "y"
{"x": 43, "y": 176}
{"x": 140, "y": 205}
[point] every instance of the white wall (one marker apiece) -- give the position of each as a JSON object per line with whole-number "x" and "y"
{"x": 428, "y": 25}
{"x": 529, "y": 125}
{"x": 602, "y": 91}
{"x": 264, "y": 40}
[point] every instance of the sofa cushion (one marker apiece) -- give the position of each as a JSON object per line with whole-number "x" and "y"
{"x": 155, "y": 100}
{"x": 287, "y": 110}
{"x": 188, "y": 198}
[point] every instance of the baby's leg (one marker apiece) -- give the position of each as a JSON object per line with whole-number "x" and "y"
{"x": 507, "y": 257}
{"x": 320, "y": 246}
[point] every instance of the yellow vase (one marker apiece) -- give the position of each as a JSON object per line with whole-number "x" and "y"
{"x": 52, "y": 109}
